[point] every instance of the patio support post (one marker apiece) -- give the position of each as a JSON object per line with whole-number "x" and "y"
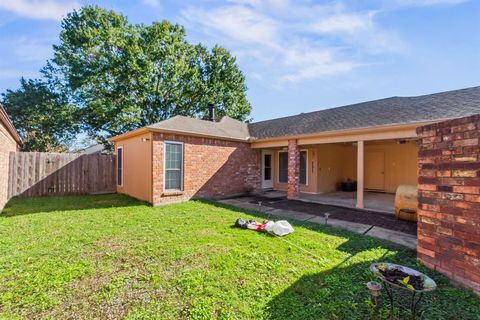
{"x": 360, "y": 173}
{"x": 293, "y": 188}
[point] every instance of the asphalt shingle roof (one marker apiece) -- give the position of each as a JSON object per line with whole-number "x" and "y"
{"x": 389, "y": 111}
{"x": 383, "y": 112}
{"x": 227, "y": 127}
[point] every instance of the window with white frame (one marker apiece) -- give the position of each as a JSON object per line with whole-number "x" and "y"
{"x": 120, "y": 166}
{"x": 283, "y": 167}
{"x": 173, "y": 165}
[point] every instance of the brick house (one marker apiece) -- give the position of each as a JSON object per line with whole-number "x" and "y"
{"x": 9, "y": 142}
{"x": 373, "y": 143}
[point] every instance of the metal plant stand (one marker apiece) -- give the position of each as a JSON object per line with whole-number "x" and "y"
{"x": 428, "y": 285}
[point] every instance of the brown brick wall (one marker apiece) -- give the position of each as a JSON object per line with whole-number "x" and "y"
{"x": 449, "y": 199}
{"x": 213, "y": 168}
{"x": 7, "y": 145}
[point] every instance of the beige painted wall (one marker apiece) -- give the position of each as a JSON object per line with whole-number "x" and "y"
{"x": 336, "y": 162}
{"x": 400, "y": 163}
{"x": 7, "y": 145}
{"x": 137, "y": 166}
{"x": 330, "y": 164}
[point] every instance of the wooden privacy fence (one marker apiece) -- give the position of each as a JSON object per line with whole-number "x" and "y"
{"x": 39, "y": 174}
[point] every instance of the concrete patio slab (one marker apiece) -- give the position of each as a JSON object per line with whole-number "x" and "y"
{"x": 373, "y": 201}
{"x": 347, "y": 225}
{"x": 404, "y": 239}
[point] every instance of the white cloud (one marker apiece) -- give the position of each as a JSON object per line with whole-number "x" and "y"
{"x": 236, "y": 22}
{"x": 294, "y": 41}
{"x": 348, "y": 23}
{"x": 420, "y": 3}
{"x": 313, "y": 63}
{"x": 266, "y": 3}
{"x": 151, "y": 3}
{"x": 38, "y": 9}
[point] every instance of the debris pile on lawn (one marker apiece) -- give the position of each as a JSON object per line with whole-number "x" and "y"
{"x": 279, "y": 228}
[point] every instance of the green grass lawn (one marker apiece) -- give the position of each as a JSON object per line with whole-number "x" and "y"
{"x": 110, "y": 257}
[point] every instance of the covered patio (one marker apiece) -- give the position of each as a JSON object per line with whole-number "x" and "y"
{"x": 315, "y": 169}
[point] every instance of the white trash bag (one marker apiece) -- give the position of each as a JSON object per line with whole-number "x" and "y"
{"x": 269, "y": 226}
{"x": 280, "y": 228}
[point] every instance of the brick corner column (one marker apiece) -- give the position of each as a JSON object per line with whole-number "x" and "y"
{"x": 449, "y": 199}
{"x": 157, "y": 169}
{"x": 293, "y": 189}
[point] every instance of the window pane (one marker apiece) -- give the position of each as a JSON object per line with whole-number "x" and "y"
{"x": 303, "y": 167}
{"x": 173, "y": 166}
{"x": 267, "y": 175}
{"x": 267, "y": 160}
{"x": 119, "y": 166}
{"x": 283, "y": 167}
{"x": 172, "y": 179}
{"x": 173, "y": 156}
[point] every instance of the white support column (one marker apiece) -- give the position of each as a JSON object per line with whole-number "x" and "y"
{"x": 360, "y": 173}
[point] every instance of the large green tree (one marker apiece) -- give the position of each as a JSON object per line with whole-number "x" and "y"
{"x": 124, "y": 76}
{"x": 44, "y": 118}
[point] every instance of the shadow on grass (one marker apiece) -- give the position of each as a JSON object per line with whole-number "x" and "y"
{"x": 341, "y": 292}
{"x": 24, "y": 206}
{"x": 338, "y": 293}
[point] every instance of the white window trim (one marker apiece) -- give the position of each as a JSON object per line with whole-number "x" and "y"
{"x": 165, "y": 167}
{"x": 121, "y": 168}
{"x": 278, "y": 166}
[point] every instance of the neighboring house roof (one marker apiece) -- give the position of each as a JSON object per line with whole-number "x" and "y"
{"x": 5, "y": 120}
{"x": 96, "y": 148}
{"x": 227, "y": 127}
{"x": 389, "y": 111}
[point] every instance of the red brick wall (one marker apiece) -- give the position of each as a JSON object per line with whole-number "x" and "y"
{"x": 213, "y": 168}
{"x": 293, "y": 188}
{"x": 7, "y": 145}
{"x": 449, "y": 199}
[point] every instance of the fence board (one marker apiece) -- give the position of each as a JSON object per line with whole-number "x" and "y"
{"x": 41, "y": 174}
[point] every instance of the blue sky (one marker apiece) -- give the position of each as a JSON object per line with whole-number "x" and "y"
{"x": 297, "y": 55}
